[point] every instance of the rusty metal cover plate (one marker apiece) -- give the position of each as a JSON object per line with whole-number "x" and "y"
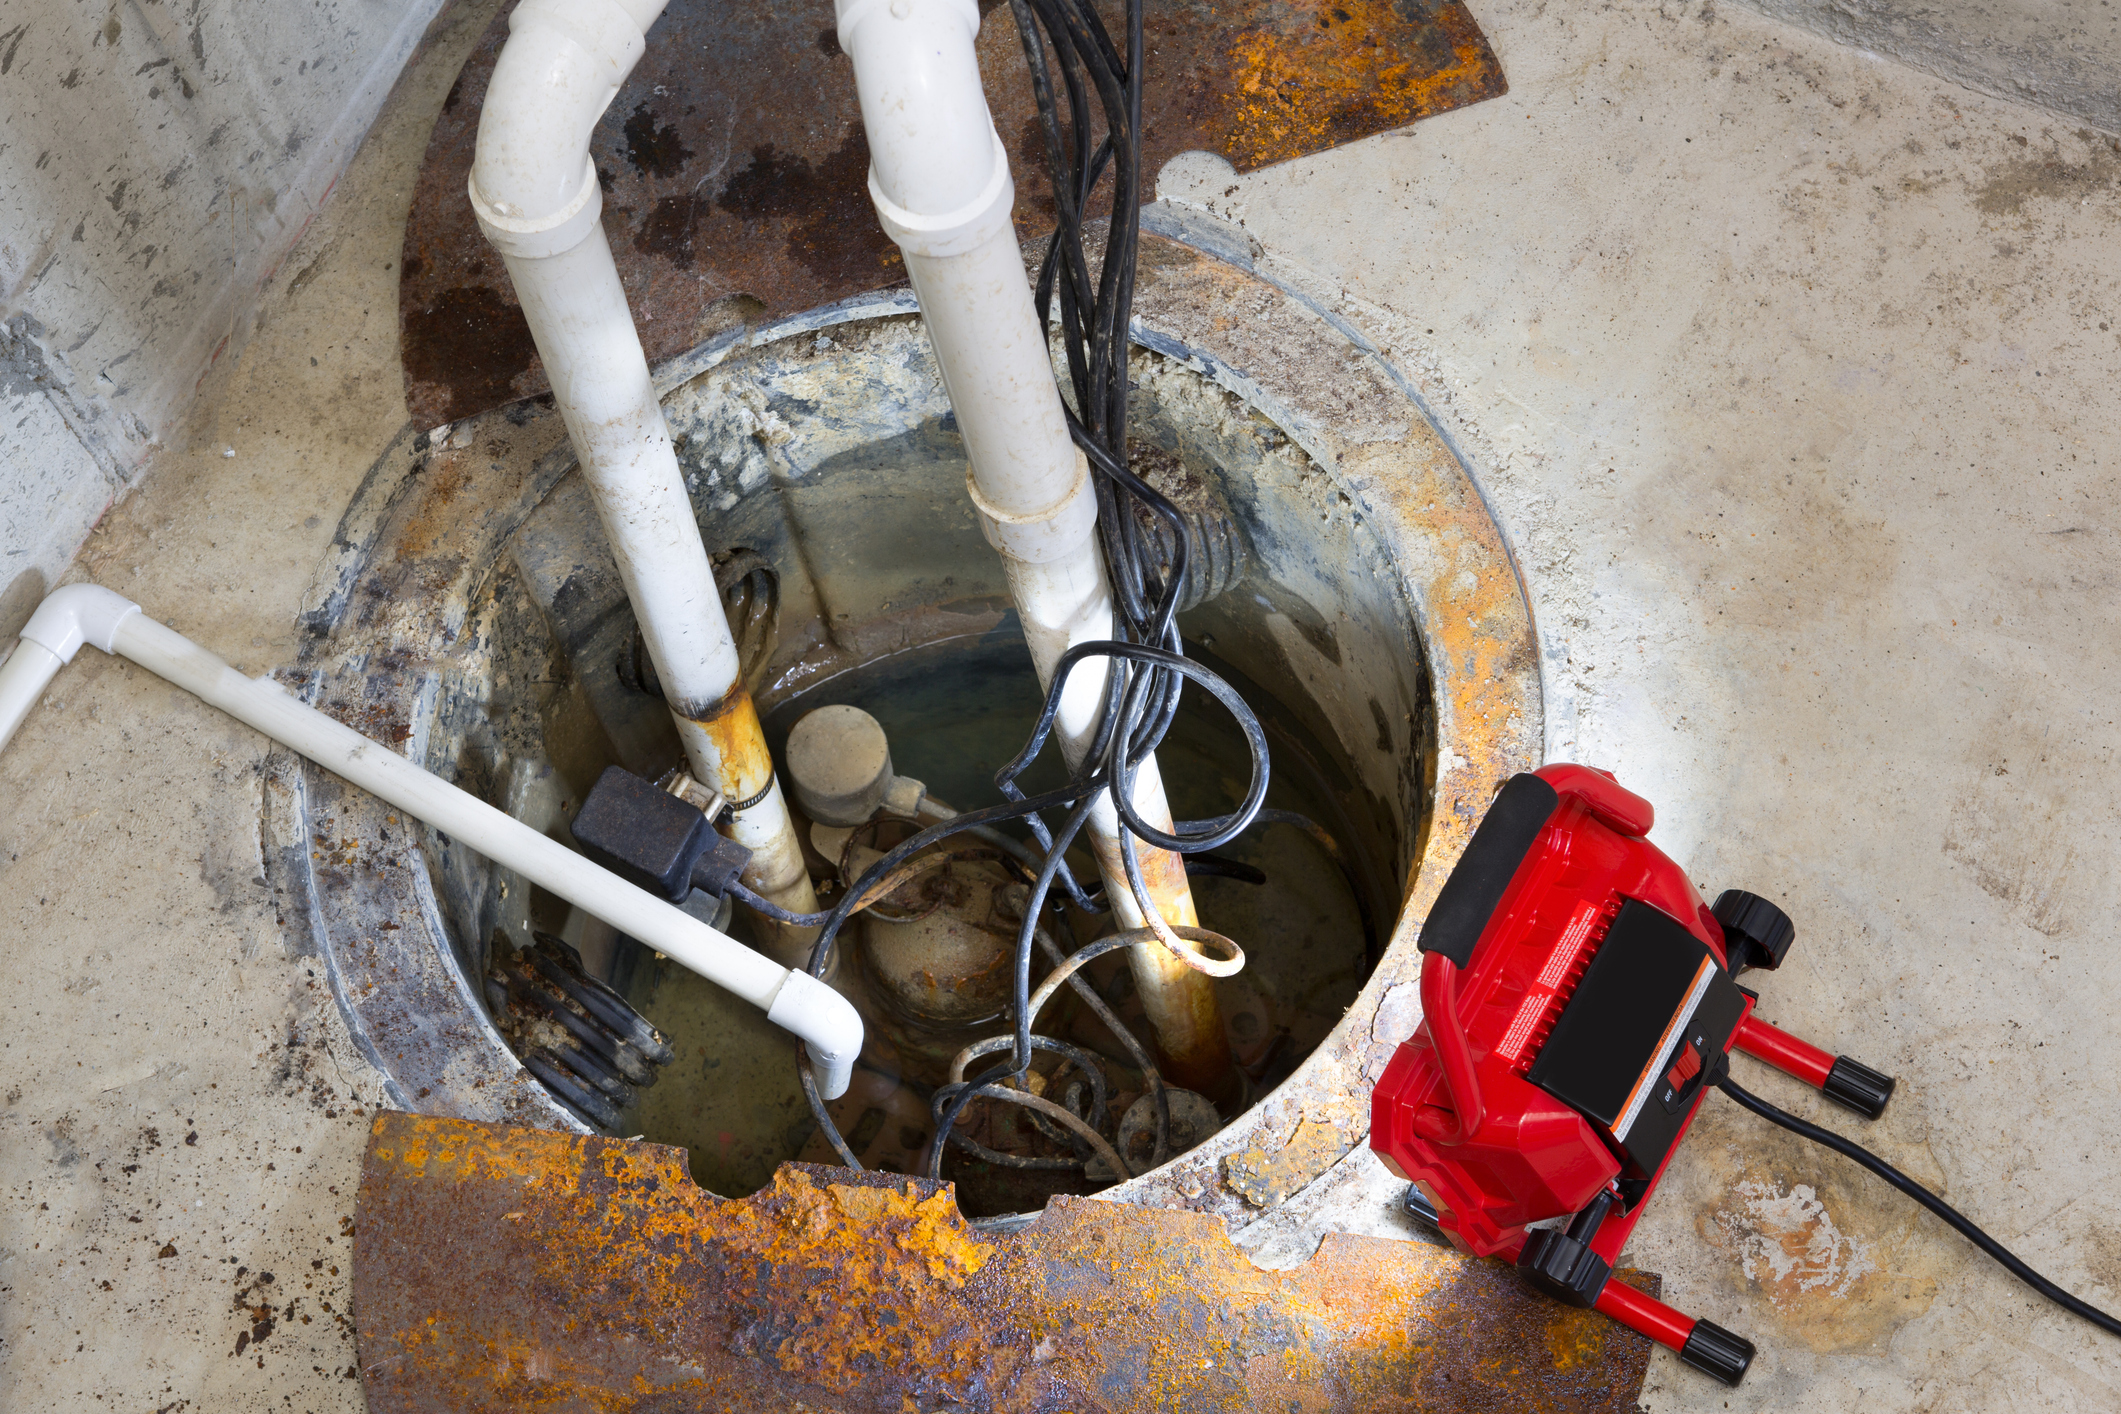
{"x": 499, "y": 1268}
{"x": 734, "y": 166}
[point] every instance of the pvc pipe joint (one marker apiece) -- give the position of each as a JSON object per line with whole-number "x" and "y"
{"x": 952, "y": 232}
{"x": 939, "y": 179}
{"x": 78, "y": 614}
{"x": 562, "y": 66}
{"x": 924, "y": 109}
{"x": 830, "y": 1029}
{"x": 1042, "y": 536}
{"x": 534, "y": 238}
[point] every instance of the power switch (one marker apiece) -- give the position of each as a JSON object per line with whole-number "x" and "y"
{"x": 1684, "y": 1069}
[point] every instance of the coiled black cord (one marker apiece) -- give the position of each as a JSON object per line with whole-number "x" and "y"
{"x": 1952, "y": 1216}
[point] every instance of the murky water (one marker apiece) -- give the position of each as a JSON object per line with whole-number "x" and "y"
{"x": 955, "y": 713}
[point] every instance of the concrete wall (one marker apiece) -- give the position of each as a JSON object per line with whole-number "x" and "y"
{"x": 157, "y": 160}
{"x": 2059, "y": 54}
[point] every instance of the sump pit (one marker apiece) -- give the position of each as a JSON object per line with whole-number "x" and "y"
{"x": 824, "y": 449}
{"x": 956, "y": 710}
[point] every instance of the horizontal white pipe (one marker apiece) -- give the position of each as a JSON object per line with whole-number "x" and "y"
{"x": 794, "y": 1001}
{"x": 535, "y": 192}
{"x": 23, "y": 678}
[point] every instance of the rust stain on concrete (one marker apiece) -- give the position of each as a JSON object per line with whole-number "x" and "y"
{"x": 1840, "y": 1260}
{"x": 1265, "y": 1176}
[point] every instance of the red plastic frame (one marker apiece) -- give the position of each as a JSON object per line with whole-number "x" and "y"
{"x": 1452, "y": 1111}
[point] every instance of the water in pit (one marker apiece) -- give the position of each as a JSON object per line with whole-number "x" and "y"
{"x": 955, "y": 712}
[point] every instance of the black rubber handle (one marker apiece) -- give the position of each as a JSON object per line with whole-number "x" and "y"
{"x": 1468, "y": 898}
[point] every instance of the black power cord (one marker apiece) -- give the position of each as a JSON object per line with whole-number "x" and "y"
{"x": 766, "y": 907}
{"x": 1851, "y": 1150}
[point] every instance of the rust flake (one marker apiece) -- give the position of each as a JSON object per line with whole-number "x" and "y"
{"x": 1264, "y": 1177}
{"x": 1329, "y": 75}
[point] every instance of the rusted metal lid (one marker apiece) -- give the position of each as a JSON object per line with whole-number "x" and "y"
{"x": 503, "y": 1268}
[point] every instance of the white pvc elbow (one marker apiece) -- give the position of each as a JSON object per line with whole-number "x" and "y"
{"x": 931, "y": 141}
{"x": 830, "y": 1028}
{"x": 76, "y": 614}
{"x": 533, "y": 184}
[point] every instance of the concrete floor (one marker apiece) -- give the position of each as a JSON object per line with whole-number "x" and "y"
{"x": 1786, "y": 369}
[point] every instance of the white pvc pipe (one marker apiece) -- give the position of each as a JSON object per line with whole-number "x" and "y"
{"x": 1061, "y": 603}
{"x": 924, "y": 110}
{"x": 534, "y": 189}
{"x": 87, "y": 613}
{"x": 23, "y": 678}
{"x": 939, "y": 177}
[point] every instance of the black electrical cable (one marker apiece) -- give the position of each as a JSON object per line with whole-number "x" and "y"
{"x": 1080, "y": 796}
{"x": 828, "y": 933}
{"x": 759, "y": 903}
{"x": 1159, "y": 1093}
{"x": 1216, "y": 866}
{"x": 1071, "y": 1055}
{"x": 817, "y": 1107}
{"x": 1323, "y": 838}
{"x": 1001, "y": 1159}
{"x": 1074, "y": 1056}
{"x": 1952, "y": 1216}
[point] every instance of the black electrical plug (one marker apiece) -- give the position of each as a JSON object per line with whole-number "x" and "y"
{"x": 650, "y": 837}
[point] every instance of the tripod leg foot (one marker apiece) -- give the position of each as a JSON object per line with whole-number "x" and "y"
{"x": 1705, "y": 1345}
{"x": 1717, "y": 1352}
{"x": 1842, "y": 1080}
{"x": 1856, "y": 1085}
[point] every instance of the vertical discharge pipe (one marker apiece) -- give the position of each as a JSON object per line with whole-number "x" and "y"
{"x": 939, "y": 177}
{"x": 535, "y": 191}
